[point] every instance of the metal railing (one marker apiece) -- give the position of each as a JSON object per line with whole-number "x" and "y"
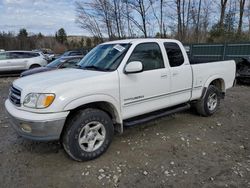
{"x": 219, "y": 52}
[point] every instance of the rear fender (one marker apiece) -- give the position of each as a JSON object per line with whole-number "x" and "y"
{"x": 209, "y": 81}
{"x": 213, "y": 78}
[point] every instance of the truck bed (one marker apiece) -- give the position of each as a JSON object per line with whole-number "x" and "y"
{"x": 203, "y": 72}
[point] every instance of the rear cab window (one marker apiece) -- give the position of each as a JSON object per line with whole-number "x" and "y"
{"x": 174, "y": 53}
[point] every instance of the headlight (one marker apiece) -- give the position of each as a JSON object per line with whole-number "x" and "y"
{"x": 38, "y": 100}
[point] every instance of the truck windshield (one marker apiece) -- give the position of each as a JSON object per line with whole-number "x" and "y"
{"x": 104, "y": 57}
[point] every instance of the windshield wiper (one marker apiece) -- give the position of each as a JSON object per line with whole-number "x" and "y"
{"x": 94, "y": 67}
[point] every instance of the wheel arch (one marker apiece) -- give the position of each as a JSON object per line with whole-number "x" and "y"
{"x": 215, "y": 81}
{"x": 104, "y": 103}
{"x": 34, "y": 64}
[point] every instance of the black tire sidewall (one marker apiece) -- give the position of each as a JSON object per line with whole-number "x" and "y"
{"x": 75, "y": 128}
{"x": 210, "y": 90}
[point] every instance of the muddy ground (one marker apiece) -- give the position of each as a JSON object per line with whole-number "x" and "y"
{"x": 182, "y": 150}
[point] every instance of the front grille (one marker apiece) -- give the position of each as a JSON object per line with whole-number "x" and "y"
{"x": 15, "y": 96}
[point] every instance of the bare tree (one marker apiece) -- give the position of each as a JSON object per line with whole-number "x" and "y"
{"x": 118, "y": 17}
{"x": 141, "y": 8}
{"x": 183, "y": 10}
{"x": 126, "y": 13}
{"x": 159, "y": 18}
{"x": 103, "y": 10}
{"x": 242, "y": 5}
{"x": 183, "y": 20}
{"x": 198, "y": 22}
{"x": 188, "y": 13}
{"x": 163, "y": 34}
{"x": 187, "y": 20}
{"x": 116, "y": 10}
{"x": 248, "y": 15}
{"x": 101, "y": 17}
{"x": 205, "y": 20}
{"x": 230, "y": 19}
{"x": 223, "y": 5}
{"x": 179, "y": 23}
{"x": 87, "y": 21}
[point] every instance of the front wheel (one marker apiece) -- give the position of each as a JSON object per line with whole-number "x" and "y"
{"x": 88, "y": 134}
{"x": 209, "y": 104}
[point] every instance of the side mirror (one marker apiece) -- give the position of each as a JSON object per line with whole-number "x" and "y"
{"x": 133, "y": 67}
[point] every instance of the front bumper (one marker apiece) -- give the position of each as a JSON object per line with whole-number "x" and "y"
{"x": 34, "y": 126}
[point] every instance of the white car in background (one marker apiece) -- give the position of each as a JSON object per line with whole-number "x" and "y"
{"x": 18, "y": 61}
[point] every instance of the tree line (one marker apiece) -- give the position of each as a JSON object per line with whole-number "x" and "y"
{"x": 190, "y": 21}
{"x": 29, "y": 41}
{"x": 187, "y": 20}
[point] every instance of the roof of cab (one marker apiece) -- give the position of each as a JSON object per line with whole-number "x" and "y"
{"x": 126, "y": 41}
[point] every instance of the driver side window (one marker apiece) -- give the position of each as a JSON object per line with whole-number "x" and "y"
{"x": 149, "y": 54}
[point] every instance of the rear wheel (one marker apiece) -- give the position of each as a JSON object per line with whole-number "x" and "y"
{"x": 209, "y": 104}
{"x": 88, "y": 134}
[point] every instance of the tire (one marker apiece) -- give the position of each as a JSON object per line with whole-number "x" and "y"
{"x": 87, "y": 134}
{"x": 207, "y": 106}
{"x": 34, "y": 66}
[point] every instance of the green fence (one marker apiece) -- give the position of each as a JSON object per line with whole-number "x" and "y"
{"x": 218, "y": 52}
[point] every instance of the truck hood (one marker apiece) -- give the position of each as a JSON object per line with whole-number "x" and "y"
{"x": 39, "y": 82}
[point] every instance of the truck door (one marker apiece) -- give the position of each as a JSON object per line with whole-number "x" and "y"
{"x": 180, "y": 73}
{"x": 145, "y": 91}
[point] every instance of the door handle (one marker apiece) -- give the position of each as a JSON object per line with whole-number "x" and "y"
{"x": 175, "y": 73}
{"x": 164, "y": 75}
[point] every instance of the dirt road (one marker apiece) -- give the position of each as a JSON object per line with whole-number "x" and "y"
{"x": 182, "y": 150}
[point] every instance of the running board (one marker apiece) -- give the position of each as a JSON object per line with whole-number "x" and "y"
{"x": 154, "y": 115}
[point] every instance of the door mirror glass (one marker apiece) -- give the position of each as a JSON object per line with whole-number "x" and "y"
{"x": 133, "y": 67}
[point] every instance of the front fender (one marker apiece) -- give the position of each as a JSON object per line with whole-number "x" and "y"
{"x": 95, "y": 98}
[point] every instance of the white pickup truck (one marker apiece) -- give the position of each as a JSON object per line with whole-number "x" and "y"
{"x": 117, "y": 84}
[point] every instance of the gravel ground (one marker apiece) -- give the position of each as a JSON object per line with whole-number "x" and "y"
{"x": 182, "y": 150}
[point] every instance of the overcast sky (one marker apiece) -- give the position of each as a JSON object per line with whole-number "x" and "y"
{"x": 45, "y": 16}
